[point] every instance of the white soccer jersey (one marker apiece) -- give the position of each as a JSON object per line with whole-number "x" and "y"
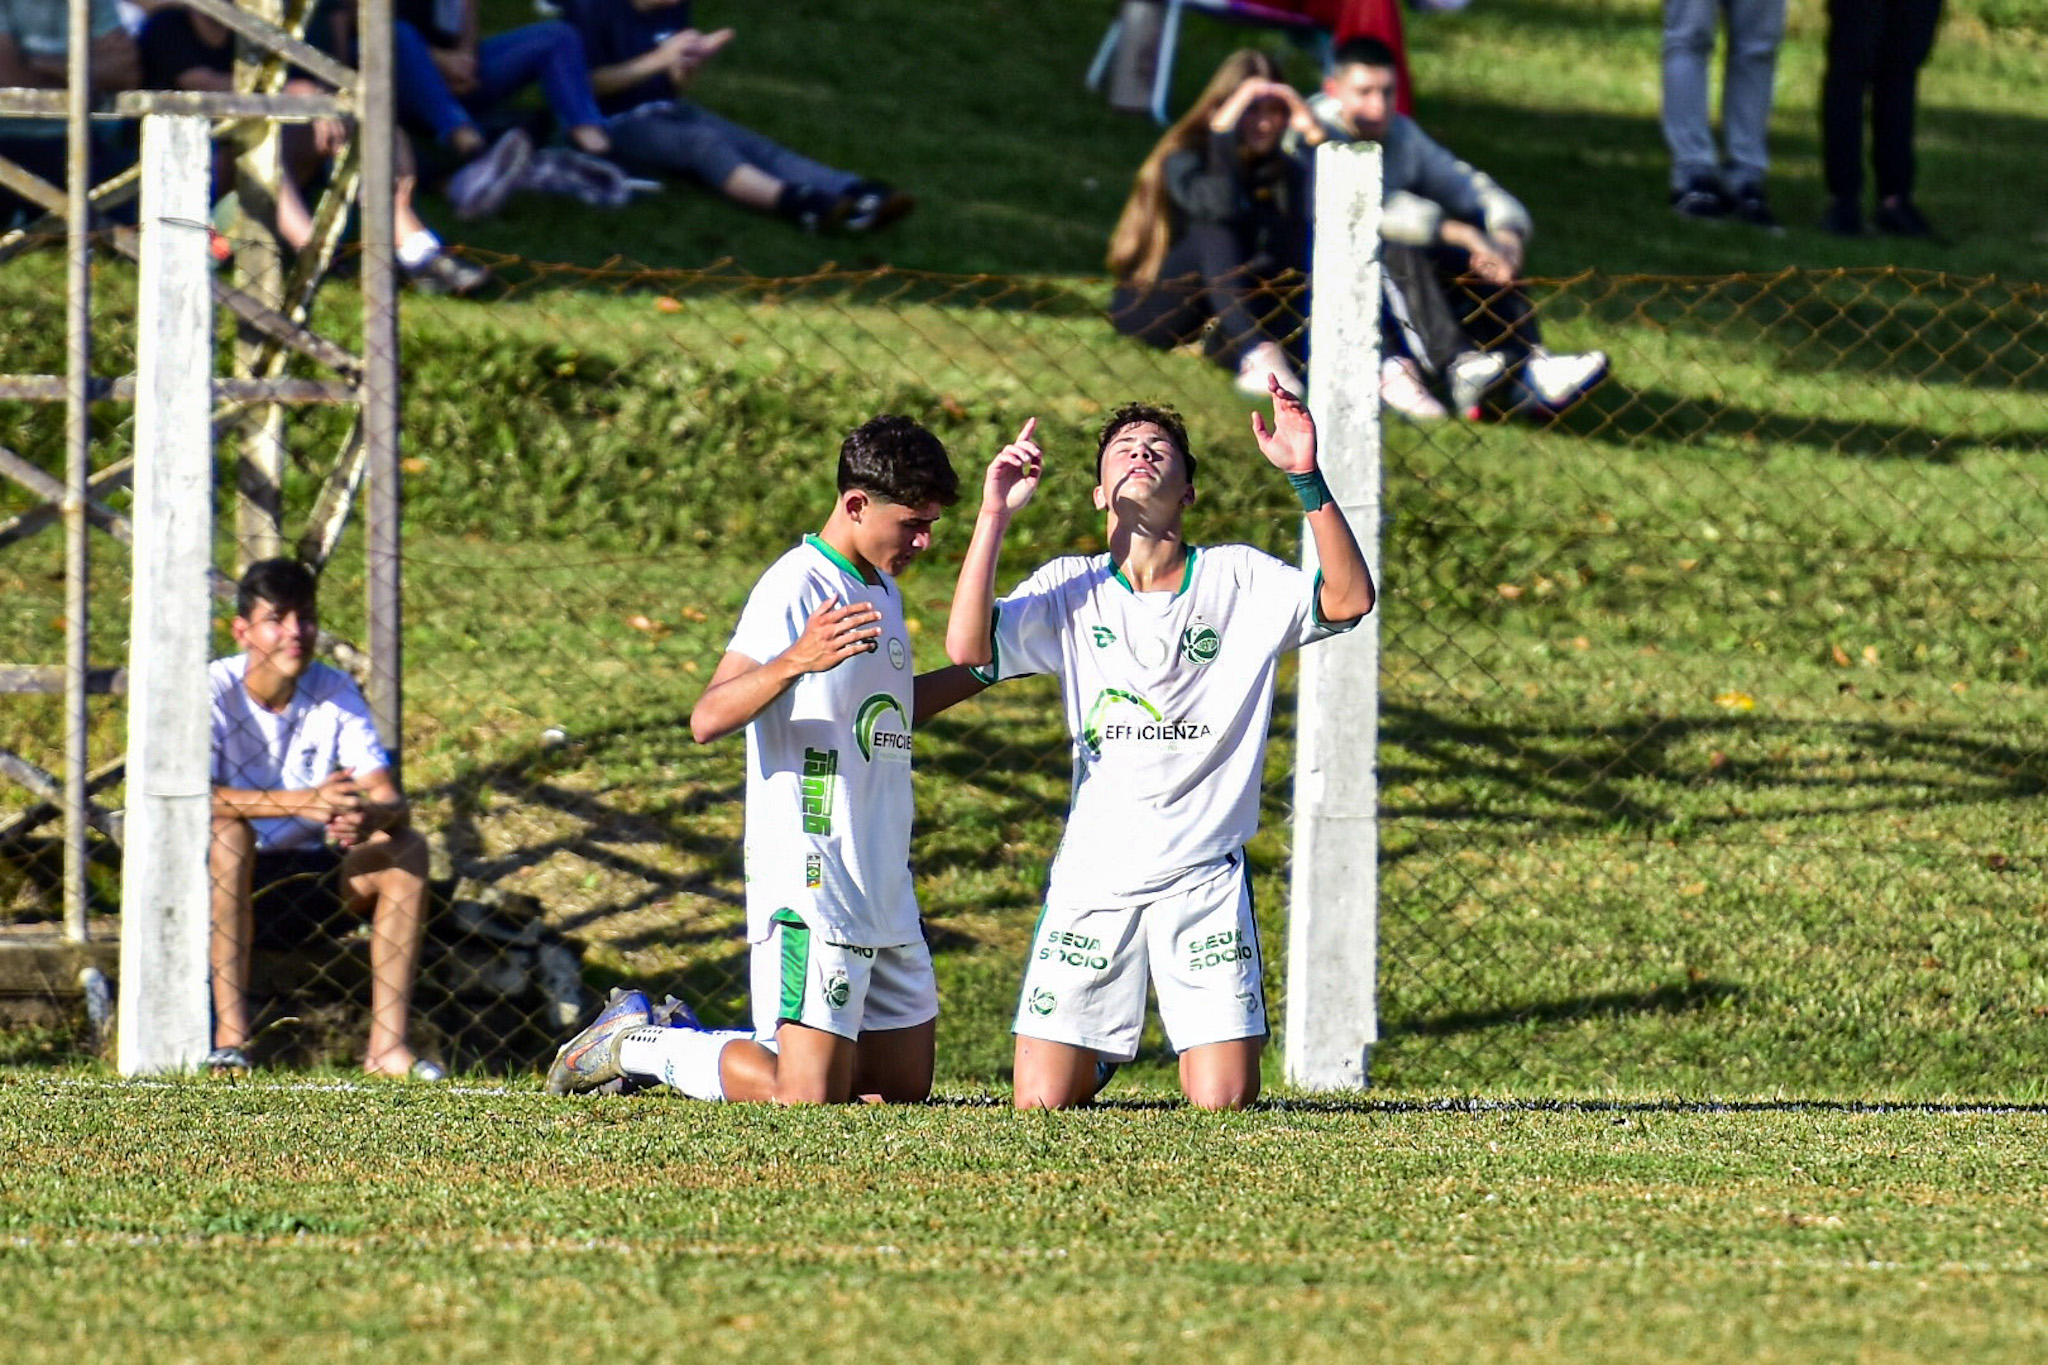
{"x": 828, "y": 763}
{"x": 1168, "y": 698}
{"x": 326, "y": 726}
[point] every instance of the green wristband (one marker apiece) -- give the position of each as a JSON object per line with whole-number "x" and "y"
{"x": 1311, "y": 489}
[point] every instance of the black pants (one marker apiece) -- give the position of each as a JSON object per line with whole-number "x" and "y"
{"x": 1209, "y": 274}
{"x": 1435, "y": 312}
{"x": 1875, "y": 51}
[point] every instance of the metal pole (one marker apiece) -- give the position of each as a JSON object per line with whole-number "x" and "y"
{"x": 380, "y": 372}
{"x": 77, "y": 466}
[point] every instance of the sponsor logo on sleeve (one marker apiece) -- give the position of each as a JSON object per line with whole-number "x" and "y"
{"x": 821, "y": 775}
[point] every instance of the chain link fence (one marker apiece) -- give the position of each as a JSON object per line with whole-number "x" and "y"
{"x": 1712, "y": 737}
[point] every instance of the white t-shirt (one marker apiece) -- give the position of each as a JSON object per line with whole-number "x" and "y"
{"x": 325, "y": 726}
{"x": 828, "y": 763}
{"x": 1168, "y": 698}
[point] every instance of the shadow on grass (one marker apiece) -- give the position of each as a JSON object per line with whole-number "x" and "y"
{"x": 1671, "y": 999}
{"x": 1618, "y": 414}
{"x": 1578, "y": 777}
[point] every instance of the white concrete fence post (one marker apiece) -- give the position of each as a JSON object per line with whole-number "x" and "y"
{"x": 165, "y": 1003}
{"x": 1332, "y": 1015}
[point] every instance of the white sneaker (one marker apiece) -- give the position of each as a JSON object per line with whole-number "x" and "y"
{"x": 480, "y": 189}
{"x": 1473, "y": 375}
{"x": 1267, "y": 358}
{"x": 1558, "y": 381}
{"x": 1402, "y": 389}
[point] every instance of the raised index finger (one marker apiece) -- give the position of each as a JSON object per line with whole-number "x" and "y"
{"x": 1024, "y": 433}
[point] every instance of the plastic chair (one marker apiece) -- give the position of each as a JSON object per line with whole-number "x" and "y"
{"x": 1231, "y": 11}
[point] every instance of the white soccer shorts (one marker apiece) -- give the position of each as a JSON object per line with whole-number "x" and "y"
{"x": 796, "y": 976}
{"x": 1084, "y": 984}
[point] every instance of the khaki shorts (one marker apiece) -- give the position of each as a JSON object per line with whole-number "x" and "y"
{"x": 1198, "y": 942}
{"x": 797, "y": 977}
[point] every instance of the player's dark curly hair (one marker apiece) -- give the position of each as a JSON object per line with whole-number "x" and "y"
{"x": 1166, "y": 419}
{"x": 286, "y": 584}
{"x": 897, "y": 460}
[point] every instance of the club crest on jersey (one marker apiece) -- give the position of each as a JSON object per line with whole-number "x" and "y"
{"x": 1104, "y": 636}
{"x": 898, "y": 655}
{"x": 1200, "y": 644}
{"x": 878, "y": 735}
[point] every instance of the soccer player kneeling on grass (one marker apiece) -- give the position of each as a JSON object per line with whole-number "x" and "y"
{"x": 819, "y": 674}
{"x": 1166, "y": 654}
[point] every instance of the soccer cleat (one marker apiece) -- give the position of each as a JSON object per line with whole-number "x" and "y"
{"x": 226, "y": 1061}
{"x": 591, "y": 1058}
{"x": 1402, "y": 389}
{"x": 481, "y": 188}
{"x": 673, "y": 1013}
{"x": 1474, "y": 375}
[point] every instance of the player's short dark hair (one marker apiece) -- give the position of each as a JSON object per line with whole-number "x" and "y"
{"x": 286, "y": 584}
{"x": 1166, "y": 419}
{"x": 1364, "y": 52}
{"x": 898, "y": 461}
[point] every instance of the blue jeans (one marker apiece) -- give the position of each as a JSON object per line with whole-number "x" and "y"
{"x": 674, "y": 137}
{"x": 1755, "y": 28}
{"x": 550, "y": 54}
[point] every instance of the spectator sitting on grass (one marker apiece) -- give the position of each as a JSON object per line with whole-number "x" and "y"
{"x": 183, "y": 49}
{"x": 642, "y": 54}
{"x": 1454, "y": 248}
{"x": 1216, "y": 221}
{"x": 307, "y": 819}
{"x": 446, "y": 75}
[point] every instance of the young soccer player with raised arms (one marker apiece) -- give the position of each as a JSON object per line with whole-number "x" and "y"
{"x": 819, "y": 675}
{"x": 1166, "y": 653}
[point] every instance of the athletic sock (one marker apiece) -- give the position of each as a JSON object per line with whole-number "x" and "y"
{"x": 417, "y": 249}
{"x": 681, "y": 1058}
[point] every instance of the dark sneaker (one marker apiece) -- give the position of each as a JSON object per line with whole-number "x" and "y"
{"x": 227, "y": 1061}
{"x": 1749, "y": 206}
{"x": 447, "y": 275}
{"x": 1842, "y": 218}
{"x": 481, "y": 188}
{"x": 1901, "y": 218}
{"x": 591, "y": 1058}
{"x": 873, "y": 206}
{"x": 1699, "y": 198}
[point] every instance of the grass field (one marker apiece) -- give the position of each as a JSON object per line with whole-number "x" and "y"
{"x": 237, "y": 1223}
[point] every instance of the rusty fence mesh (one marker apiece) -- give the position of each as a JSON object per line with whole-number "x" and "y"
{"x": 1713, "y": 715}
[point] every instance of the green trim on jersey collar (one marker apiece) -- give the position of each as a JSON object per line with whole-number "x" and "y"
{"x": 817, "y": 542}
{"x": 1187, "y": 578}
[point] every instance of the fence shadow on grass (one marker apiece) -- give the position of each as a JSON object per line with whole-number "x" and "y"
{"x": 1571, "y": 774}
{"x": 1627, "y": 417}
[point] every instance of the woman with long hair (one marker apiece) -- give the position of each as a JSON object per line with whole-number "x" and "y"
{"x": 1217, "y": 227}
